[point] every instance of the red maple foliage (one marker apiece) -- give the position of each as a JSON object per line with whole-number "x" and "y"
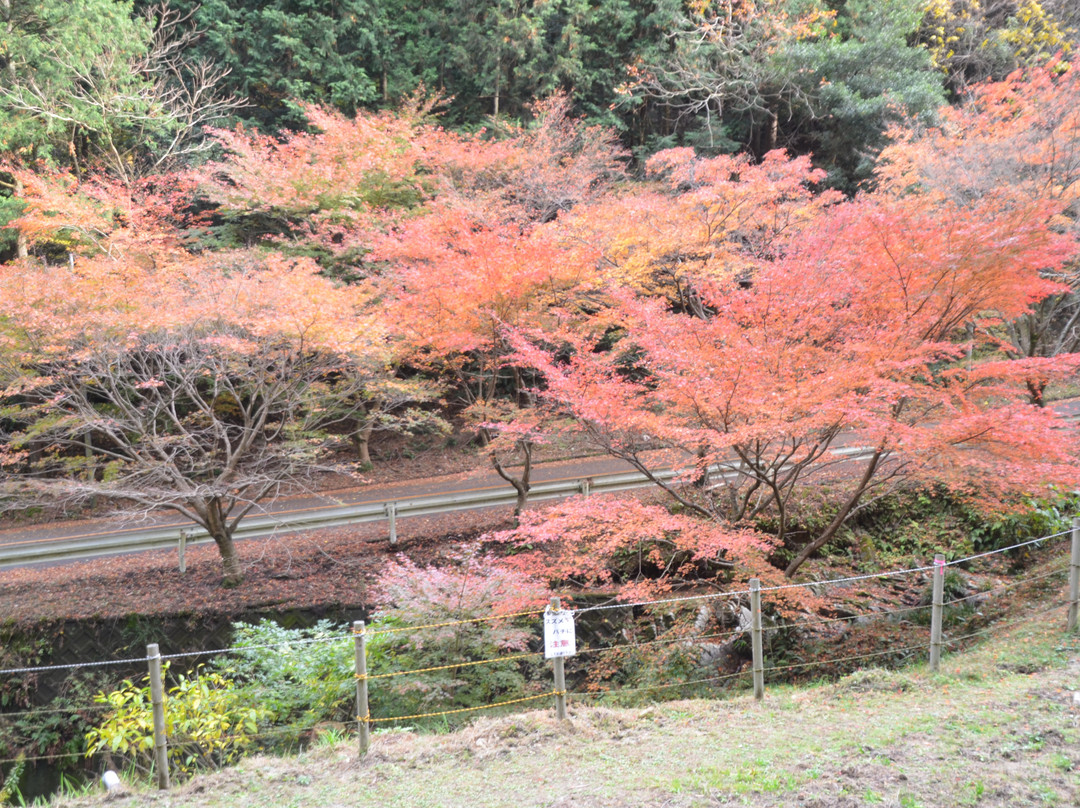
{"x": 855, "y": 336}
{"x": 639, "y": 551}
{"x": 1015, "y": 142}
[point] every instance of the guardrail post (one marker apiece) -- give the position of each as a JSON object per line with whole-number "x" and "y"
{"x": 157, "y": 701}
{"x": 560, "y": 675}
{"x": 363, "y": 713}
{"x": 391, "y": 514}
{"x": 181, "y": 549}
{"x": 1074, "y": 575}
{"x": 755, "y": 639}
{"x": 586, "y": 487}
{"x": 936, "y": 612}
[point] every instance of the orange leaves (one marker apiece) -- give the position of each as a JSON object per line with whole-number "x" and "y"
{"x": 940, "y": 265}
{"x": 851, "y": 323}
{"x": 131, "y": 269}
{"x": 1014, "y": 139}
{"x": 862, "y": 307}
{"x": 362, "y": 164}
{"x": 457, "y": 281}
{"x": 136, "y": 222}
{"x": 528, "y": 174}
{"x": 356, "y": 178}
{"x": 643, "y": 549}
{"x": 51, "y": 308}
{"x": 1011, "y": 154}
{"x": 715, "y": 218}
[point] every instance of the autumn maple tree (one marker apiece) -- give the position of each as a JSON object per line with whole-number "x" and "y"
{"x": 443, "y": 226}
{"x": 159, "y": 379}
{"x": 327, "y": 191}
{"x": 698, "y": 219}
{"x": 348, "y": 180}
{"x": 640, "y": 550}
{"x": 852, "y": 336}
{"x": 1014, "y": 144}
{"x": 457, "y": 281}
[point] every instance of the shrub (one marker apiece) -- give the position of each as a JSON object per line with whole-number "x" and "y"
{"x": 207, "y": 723}
{"x": 1031, "y": 518}
{"x": 303, "y": 677}
{"x": 299, "y": 677}
{"x": 428, "y": 617}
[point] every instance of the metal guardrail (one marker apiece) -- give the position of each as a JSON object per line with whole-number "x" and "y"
{"x": 267, "y": 525}
{"x": 259, "y": 526}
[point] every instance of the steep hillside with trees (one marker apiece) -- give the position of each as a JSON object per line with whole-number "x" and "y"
{"x": 194, "y": 317}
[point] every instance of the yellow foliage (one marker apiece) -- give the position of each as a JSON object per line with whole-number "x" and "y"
{"x": 1034, "y": 35}
{"x": 959, "y": 33}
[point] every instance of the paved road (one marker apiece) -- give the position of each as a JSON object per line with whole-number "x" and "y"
{"x": 13, "y": 539}
{"x": 484, "y": 480}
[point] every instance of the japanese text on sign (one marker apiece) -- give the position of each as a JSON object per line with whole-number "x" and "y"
{"x": 559, "y": 637}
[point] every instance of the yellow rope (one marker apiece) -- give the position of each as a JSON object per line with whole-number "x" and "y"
{"x": 369, "y": 719}
{"x": 447, "y": 667}
{"x": 449, "y": 623}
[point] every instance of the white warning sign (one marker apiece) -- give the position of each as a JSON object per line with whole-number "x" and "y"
{"x": 559, "y": 637}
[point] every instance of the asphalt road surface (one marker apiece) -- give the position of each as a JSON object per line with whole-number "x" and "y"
{"x": 13, "y": 540}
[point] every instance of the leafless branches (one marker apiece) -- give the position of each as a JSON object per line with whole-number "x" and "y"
{"x": 204, "y": 420}
{"x": 143, "y": 110}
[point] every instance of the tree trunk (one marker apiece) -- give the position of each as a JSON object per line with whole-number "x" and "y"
{"x": 1036, "y": 390}
{"x": 361, "y": 440}
{"x": 763, "y": 134}
{"x": 840, "y": 518}
{"x": 22, "y": 244}
{"x": 701, "y": 479}
{"x": 232, "y": 575}
{"x": 522, "y": 485}
{"x": 218, "y": 529}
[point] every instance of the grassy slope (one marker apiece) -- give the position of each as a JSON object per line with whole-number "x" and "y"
{"x": 1000, "y": 726}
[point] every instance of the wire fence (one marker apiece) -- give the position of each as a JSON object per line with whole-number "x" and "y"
{"x": 833, "y": 661}
{"x": 594, "y": 679}
{"x": 599, "y": 692}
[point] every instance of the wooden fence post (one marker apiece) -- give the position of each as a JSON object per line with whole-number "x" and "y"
{"x": 560, "y": 675}
{"x": 363, "y": 713}
{"x": 157, "y": 701}
{"x": 755, "y": 639}
{"x": 936, "y": 610}
{"x": 1074, "y": 575}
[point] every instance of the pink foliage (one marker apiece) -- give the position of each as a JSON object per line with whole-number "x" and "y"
{"x": 634, "y": 549}
{"x": 473, "y": 585}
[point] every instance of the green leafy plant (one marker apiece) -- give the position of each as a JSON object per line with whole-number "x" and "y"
{"x": 207, "y": 723}
{"x": 9, "y": 786}
{"x": 329, "y": 736}
{"x": 1034, "y": 517}
{"x": 299, "y": 677}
